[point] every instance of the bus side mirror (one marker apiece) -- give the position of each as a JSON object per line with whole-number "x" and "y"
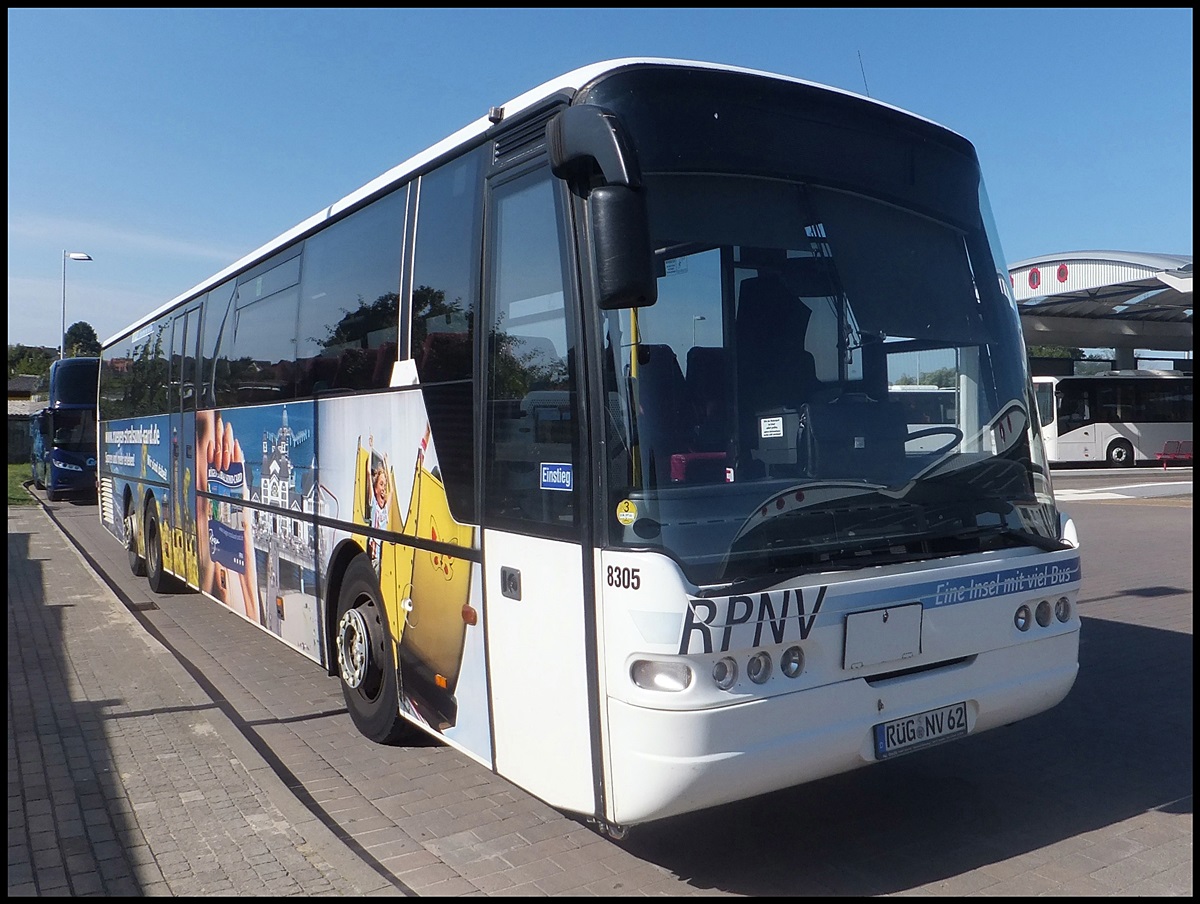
{"x": 621, "y": 240}
{"x": 586, "y": 142}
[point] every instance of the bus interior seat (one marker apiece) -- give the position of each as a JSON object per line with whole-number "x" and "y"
{"x": 709, "y": 385}
{"x": 852, "y": 437}
{"x": 385, "y": 359}
{"x": 445, "y": 356}
{"x": 285, "y": 376}
{"x": 317, "y": 375}
{"x": 774, "y": 372}
{"x": 355, "y": 366}
{"x": 664, "y": 421}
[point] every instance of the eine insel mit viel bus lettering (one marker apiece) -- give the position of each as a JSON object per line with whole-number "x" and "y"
{"x": 570, "y": 442}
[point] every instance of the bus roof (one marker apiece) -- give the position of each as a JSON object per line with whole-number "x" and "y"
{"x": 569, "y": 82}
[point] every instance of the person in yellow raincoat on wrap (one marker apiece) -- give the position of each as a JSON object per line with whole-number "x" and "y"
{"x": 425, "y": 591}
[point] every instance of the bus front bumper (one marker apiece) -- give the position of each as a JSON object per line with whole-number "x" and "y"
{"x": 664, "y": 763}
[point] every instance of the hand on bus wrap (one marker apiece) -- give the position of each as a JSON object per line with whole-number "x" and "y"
{"x": 218, "y": 448}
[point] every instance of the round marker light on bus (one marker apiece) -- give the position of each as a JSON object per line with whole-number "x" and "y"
{"x": 1043, "y": 613}
{"x": 758, "y": 669}
{"x": 725, "y": 672}
{"x": 1022, "y": 618}
{"x": 791, "y": 663}
{"x": 660, "y": 676}
{"x": 1062, "y": 609}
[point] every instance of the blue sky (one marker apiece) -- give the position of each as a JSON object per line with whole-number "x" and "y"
{"x": 168, "y": 143}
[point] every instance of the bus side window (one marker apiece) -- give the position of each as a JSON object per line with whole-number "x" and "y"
{"x": 1073, "y": 410}
{"x": 532, "y": 443}
{"x": 349, "y": 307}
{"x": 445, "y": 280}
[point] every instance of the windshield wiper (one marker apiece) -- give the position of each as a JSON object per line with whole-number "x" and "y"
{"x": 754, "y": 584}
{"x": 1049, "y": 544}
{"x": 884, "y": 554}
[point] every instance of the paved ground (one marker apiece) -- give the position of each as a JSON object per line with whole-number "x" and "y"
{"x": 178, "y": 753}
{"x": 124, "y": 778}
{"x": 158, "y": 746}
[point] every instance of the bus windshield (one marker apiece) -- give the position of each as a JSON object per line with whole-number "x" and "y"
{"x": 751, "y": 428}
{"x": 73, "y": 430}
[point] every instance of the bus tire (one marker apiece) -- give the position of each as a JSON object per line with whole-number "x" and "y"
{"x": 1120, "y": 454}
{"x": 365, "y": 663}
{"x": 159, "y": 580}
{"x": 137, "y": 564}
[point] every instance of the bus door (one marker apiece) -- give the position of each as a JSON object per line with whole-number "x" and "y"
{"x": 1077, "y": 440}
{"x": 1047, "y": 415}
{"x": 182, "y": 402}
{"x": 537, "y": 619}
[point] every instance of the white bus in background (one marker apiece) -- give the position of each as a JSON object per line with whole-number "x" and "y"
{"x": 1120, "y": 417}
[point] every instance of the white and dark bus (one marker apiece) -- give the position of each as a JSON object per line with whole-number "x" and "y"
{"x": 1118, "y": 417}
{"x": 569, "y": 442}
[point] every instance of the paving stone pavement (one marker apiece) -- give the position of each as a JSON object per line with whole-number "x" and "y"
{"x": 119, "y": 779}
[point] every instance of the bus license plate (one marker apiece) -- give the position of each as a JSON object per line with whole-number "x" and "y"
{"x": 914, "y": 732}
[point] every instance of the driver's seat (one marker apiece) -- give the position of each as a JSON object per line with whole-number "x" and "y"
{"x": 852, "y": 437}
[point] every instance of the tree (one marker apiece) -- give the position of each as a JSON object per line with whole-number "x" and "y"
{"x": 1055, "y": 351}
{"x": 943, "y": 377}
{"x": 81, "y": 341}
{"x": 31, "y": 360}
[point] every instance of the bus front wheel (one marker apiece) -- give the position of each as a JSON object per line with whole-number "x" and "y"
{"x": 364, "y": 657}
{"x": 1120, "y": 454}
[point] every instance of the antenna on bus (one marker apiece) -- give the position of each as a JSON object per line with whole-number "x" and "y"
{"x": 864, "y": 74}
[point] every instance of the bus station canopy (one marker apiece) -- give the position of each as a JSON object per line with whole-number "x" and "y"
{"x": 1106, "y": 299}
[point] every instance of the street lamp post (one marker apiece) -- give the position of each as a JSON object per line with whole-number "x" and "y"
{"x": 74, "y": 256}
{"x": 696, "y": 319}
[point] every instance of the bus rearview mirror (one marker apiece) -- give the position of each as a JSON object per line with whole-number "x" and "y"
{"x": 621, "y": 241}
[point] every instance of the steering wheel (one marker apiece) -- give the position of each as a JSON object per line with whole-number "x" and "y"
{"x": 953, "y": 432}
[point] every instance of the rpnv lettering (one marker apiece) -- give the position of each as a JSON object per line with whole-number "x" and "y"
{"x": 773, "y": 615}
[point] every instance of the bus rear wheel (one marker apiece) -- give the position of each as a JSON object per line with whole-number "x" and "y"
{"x": 137, "y": 564}
{"x": 159, "y": 580}
{"x": 366, "y": 666}
{"x": 1120, "y": 454}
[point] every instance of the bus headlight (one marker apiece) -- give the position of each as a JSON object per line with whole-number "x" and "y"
{"x": 1022, "y": 618}
{"x": 660, "y": 676}
{"x": 64, "y": 465}
{"x": 725, "y": 672}
{"x": 1062, "y": 609}
{"x": 1043, "y": 613}
{"x": 791, "y": 663}
{"x": 758, "y": 669}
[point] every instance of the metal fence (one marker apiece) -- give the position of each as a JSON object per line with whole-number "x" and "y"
{"x": 20, "y": 442}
